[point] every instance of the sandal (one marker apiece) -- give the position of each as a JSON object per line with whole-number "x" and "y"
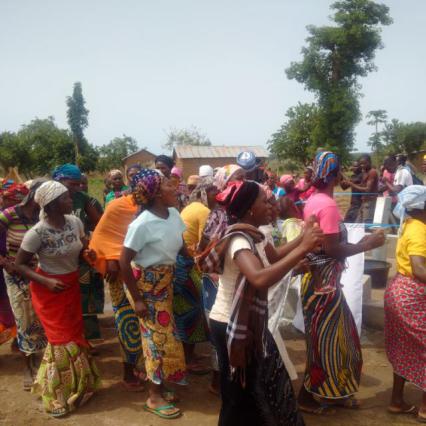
{"x": 159, "y": 411}
{"x": 421, "y": 418}
{"x": 58, "y": 412}
{"x": 410, "y": 410}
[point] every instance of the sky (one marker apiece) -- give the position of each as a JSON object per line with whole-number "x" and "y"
{"x": 149, "y": 66}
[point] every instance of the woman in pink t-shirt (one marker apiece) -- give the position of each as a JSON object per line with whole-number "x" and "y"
{"x": 334, "y": 360}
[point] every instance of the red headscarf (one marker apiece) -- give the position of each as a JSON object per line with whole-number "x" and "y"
{"x": 15, "y": 192}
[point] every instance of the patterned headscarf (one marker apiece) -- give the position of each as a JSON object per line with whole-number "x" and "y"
{"x": 145, "y": 186}
{"x": 4, "y": 184}
{"x": 225, "y": 174}
{"x": 48, "y": 192}
{"x": 15, "y": 192}
{"x": 324, "y": 164}
{"x": 66, "y": 171}
{"x": 200, "y": 191}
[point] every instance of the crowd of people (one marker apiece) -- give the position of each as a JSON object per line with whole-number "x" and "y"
{"x": 209, "y": 260}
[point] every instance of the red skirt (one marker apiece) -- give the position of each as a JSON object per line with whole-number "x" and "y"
{"x": 60, "y": 313}
{"x": 405, "y": 328}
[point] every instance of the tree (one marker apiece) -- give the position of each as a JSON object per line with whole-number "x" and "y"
{"x": 333, "y": 60}
{"x": 111, "y": 155}
{"x": 86, "y": 155}
{"x": 191, "y": 136}
{"x": 295, "y": 140}
{"x": 375, "y": 118}
{"x": 401, "y": 137}
{"x": 37, "y": 148}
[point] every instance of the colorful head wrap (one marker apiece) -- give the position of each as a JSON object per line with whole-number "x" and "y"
{"x": 225, "y": 175}
{"x": 145, "y": 186}
{"x": 325, "y": 164}
{"x": 15, "y": 192}
{"x": 200, "y": 191}
{"x": 238, "y": 198}
{"x": 285, "y": 178}
{"x": 66, "y": 171}
{"x": 177, "y": 172}
{"x": 165, "y": 160}
{"x": 5, "y": 183}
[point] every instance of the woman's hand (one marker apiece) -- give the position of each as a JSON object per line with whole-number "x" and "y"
{"x": 302, "y": 267}
{"x": 374, "y": 240}
{"x": 112, "y": 270}
{"x": 55, "y": 285}
{"x": 89, "y": 256}
{"x": 141, "y": 310}
{"x": 312, "y": 236}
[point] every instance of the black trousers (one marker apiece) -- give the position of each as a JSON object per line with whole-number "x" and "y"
{"x": 267, "y": 399}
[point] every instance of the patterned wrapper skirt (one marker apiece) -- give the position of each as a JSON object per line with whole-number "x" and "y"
{"x": 67, "y": 376}
{"x": 405, "y": 328}
{"x": 334, "y": 358}
{"x": 92, "y": 299}
{"x": 7, "y": 320}
{"x": 187, "y": 303}
{"x": 30, "y": 333}
{"x": 162, "y": 349}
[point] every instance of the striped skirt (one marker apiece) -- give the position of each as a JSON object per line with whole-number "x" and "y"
{"x": 334, "y": 359}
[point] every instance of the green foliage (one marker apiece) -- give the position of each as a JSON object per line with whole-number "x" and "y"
{"x": 405, "y": 138}
{"x": 295, "y": 139}
{"x": 111, "y": 155}
{"x": 86, "y": 155}
{"x": 37, "y": 148}
{"x": 376, "y": 118}
{"x": 191, "y": 136}
{"x": 333, "y": 60}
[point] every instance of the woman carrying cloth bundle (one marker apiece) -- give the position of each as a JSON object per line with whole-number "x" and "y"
{"x": 67, "y": 376}
{"x": 255, "y": 386}
{"x": 152, "y": 243}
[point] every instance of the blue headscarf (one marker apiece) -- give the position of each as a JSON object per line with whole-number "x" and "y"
{"x": 325, "y": 164}
{"x": 66, "y": 171}
{"x": 413, "y": 197}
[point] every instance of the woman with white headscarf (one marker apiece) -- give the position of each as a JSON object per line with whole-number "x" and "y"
{"x": 405, "y": 302}
{"x": 67, "y": 376}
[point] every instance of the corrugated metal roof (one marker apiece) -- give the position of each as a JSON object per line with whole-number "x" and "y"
{"x": 191, "y": 151}
{"x": 138, "y": 152}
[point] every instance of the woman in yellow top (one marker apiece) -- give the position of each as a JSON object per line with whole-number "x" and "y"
{"x": 187, "y": 305}
{"x": 405, "y": 302}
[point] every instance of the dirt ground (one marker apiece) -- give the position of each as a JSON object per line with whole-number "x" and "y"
{"x": 114, "y": 406}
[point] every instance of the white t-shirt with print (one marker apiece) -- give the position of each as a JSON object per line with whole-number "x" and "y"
{"x": 58, "y": 250}
{"x": 402, "y": 177}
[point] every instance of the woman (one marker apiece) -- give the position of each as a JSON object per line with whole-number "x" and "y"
{"x": 164, "y": 164}
{"x": 152, "y": 243}
{"x": 291, "y": 191}
{"x": 67, "y": 376}
{"x": 131, "y": 171}
{"x": 334, "y": 360}
{"x": 187, "y": 305}
{"x": 107, "y": 242}
{"x": 176, "y": 177}
{"x": 15, "y": 221}
{"x": 255, "y": 386}
{"x": 305, "y": 184}
{"x": 405, "y": 302}
{"x": 91, "y": 282}
{"x": 118, "y": 188}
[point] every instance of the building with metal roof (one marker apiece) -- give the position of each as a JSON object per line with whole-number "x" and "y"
{"x": 190, "y": 157}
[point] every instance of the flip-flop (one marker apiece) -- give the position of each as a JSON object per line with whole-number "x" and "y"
{"x": 133, "y": 386}
{"x": 411, "y": 410}
{"x": 58, "y": 412}
{"x": 159, "y": 411}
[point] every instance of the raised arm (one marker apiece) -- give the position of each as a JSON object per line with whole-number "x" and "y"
{"x": 261, "y": 277}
